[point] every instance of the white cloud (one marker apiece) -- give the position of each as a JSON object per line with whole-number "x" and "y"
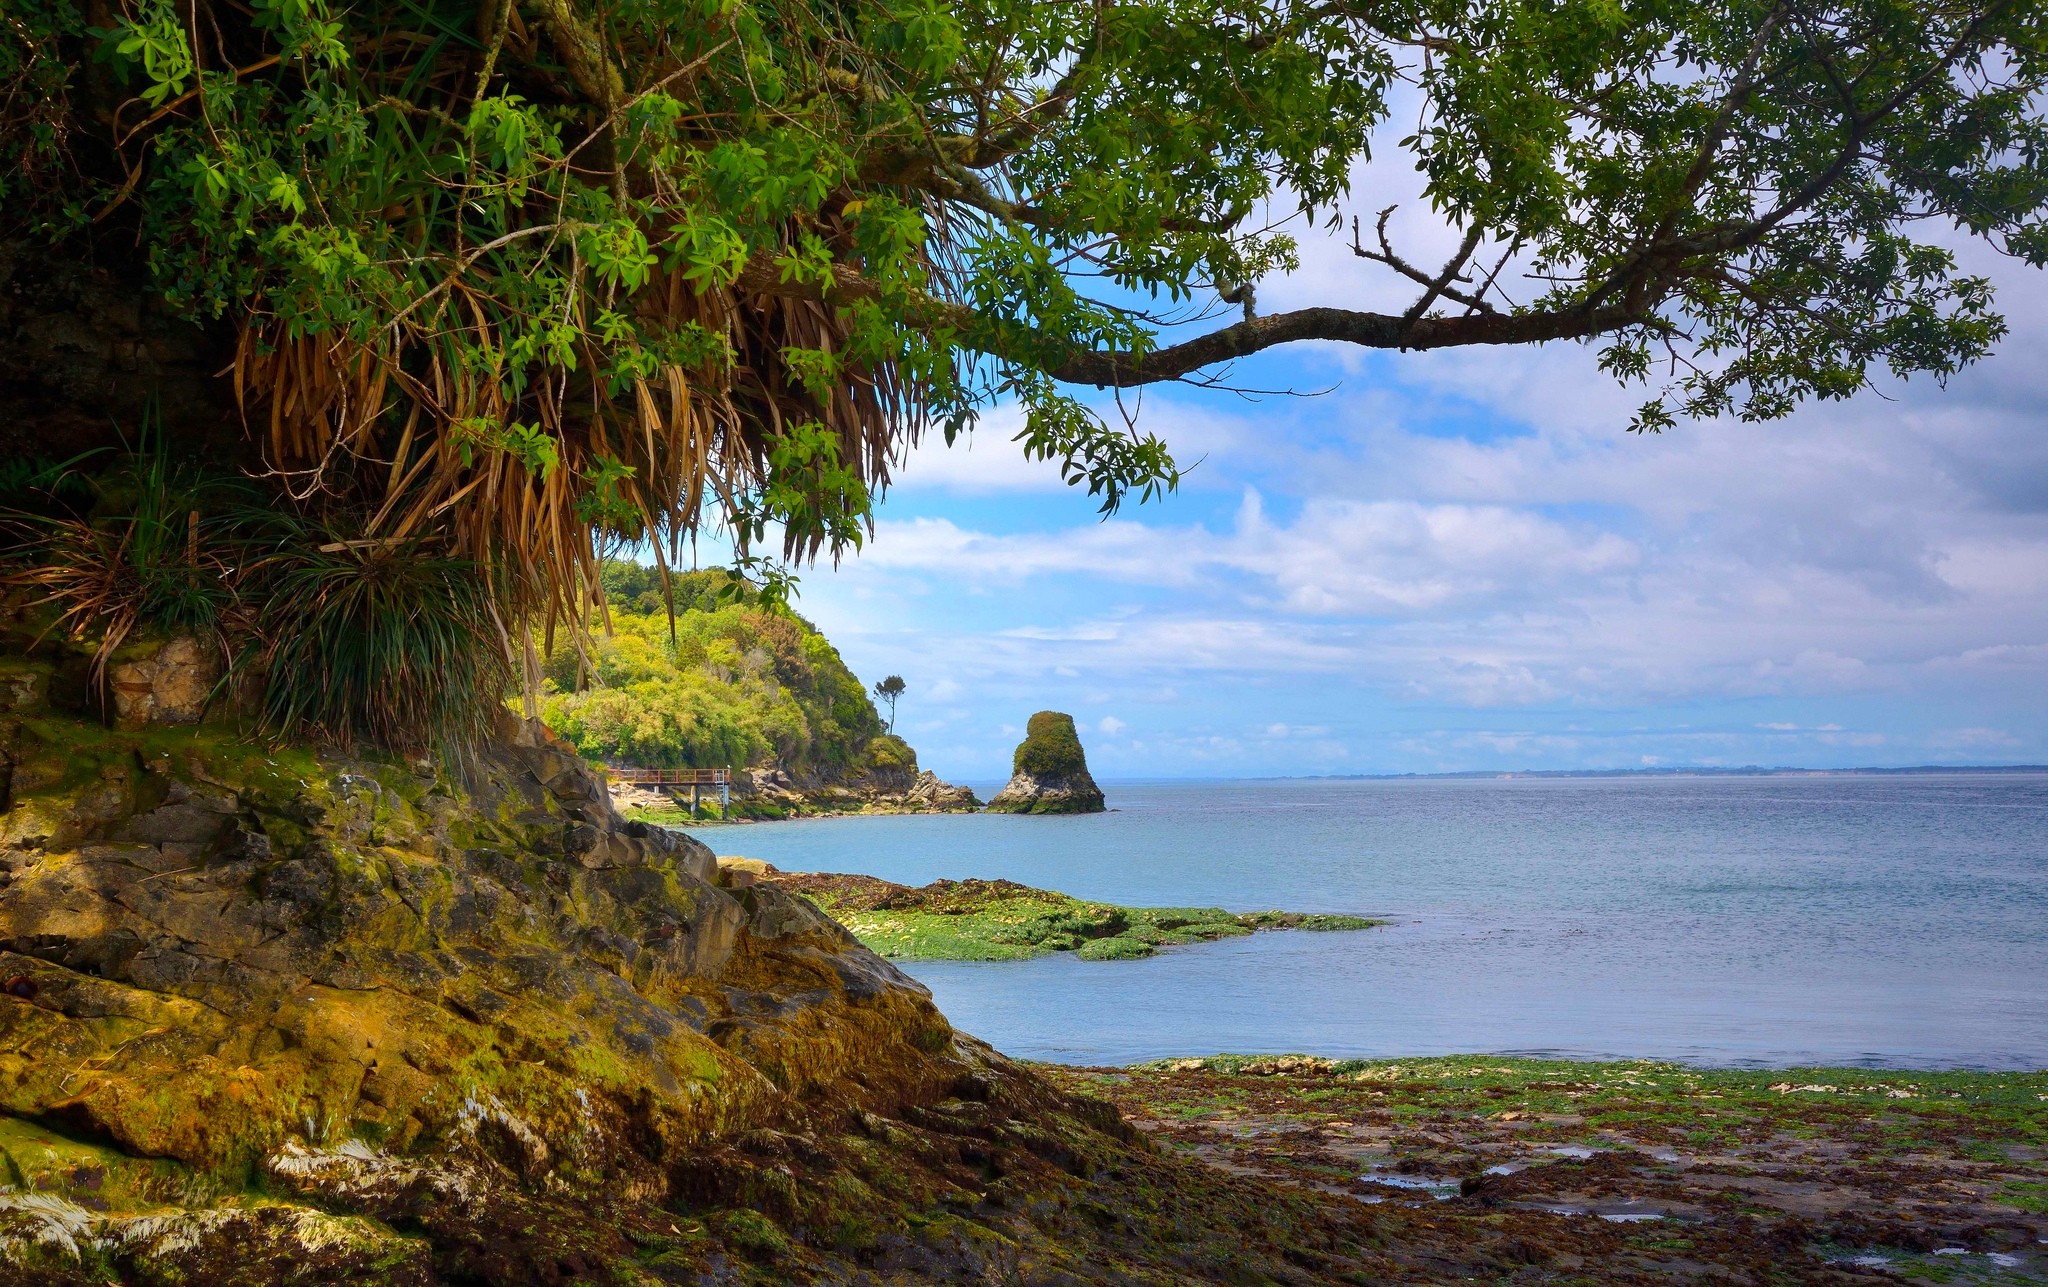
{"x": 1338, "y": 557}
{"x": 1112, "y": 725}
{"x": 1474, "y": 530}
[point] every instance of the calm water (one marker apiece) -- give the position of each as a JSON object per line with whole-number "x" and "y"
{"x": 1894, "y": 921}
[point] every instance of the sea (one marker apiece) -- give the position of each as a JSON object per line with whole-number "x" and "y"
{"x": 1893, "y": 921}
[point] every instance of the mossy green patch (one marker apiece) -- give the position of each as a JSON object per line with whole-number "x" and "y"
{"x": 1000, "y": 920}
{"x": 1888, "y": 1112}
{"x": 2028, "y": 1197}
{"x": 1121, "y": 947}
{"x": 35, "y": 1157}
{"x": 753, "y": 1233}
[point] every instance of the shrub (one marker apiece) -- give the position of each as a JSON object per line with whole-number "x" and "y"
{"x": 148, "y": 547}
{"x": 382, "y": 642}
{"x": 889, "y": 751}
{"x": 1051, "y": 747}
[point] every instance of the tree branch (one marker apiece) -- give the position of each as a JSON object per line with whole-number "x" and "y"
{"x": 1013, "y": 341}
{"x": 1366, "y": 330}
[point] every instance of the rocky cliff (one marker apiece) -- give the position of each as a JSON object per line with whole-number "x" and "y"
{"x": 890, "y": 783}
{"x": 769, "y": 793}
{"x": 1050, "y": 772}
{"x": 283, "y": 1015}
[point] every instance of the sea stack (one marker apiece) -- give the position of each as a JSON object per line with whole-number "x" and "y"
{"x": 1050, "y": 772}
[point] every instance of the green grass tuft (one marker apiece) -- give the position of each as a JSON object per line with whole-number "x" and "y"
{"x": 389, "y": 643}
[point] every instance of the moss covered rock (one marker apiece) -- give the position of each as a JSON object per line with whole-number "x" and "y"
{"x": 1001, "y": 920}
{"x": 367, "y": 981}
{"x": 279, "y": 1014}
{"x": 1049, "y": 771}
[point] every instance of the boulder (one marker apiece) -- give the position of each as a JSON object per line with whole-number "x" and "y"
{"x": 392, "y": 992}
{"x": 930, "y": 794}
{"x": 1050, "y": 771}
{"x": 168, "y": 682}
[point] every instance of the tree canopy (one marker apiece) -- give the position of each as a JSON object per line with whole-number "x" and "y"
{"x": 505, "y": 274}
{"x": 890, "y": 690}
{"x": 731, "y": 681}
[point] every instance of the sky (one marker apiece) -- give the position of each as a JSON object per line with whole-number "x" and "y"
{"x": 1462, "y": 561}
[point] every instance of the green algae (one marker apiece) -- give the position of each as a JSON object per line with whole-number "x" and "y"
{"x": 1121, "y": 947}
{"x": 2029, "y": 1197}
{"x": 978, "y": 920}
{"x": 1564, "y": 1101}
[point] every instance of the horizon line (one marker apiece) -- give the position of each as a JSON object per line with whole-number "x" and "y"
{"x": 1675, "y": 770}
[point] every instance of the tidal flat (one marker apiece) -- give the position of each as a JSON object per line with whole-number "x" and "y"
{"x": 1633, "y": 1172}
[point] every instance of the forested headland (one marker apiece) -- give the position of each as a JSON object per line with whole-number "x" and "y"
{"x": 706, "y": 673}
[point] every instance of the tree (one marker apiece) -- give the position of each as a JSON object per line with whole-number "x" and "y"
{"x": 521, "y": 280}
{"x": 889, "y": 690}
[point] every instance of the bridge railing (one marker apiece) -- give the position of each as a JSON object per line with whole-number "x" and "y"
{"x": 670, "y": 777}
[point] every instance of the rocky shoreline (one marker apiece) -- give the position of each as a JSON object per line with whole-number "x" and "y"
{"x": 1632, "y": 1173}
{"x": 770, "y": 795}
{"x": 276, "y": 1014}
{"x": 289, "y": 1014}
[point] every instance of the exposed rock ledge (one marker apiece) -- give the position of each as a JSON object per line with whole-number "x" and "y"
{"x": 784, "y": 798}
{"x": 272, "y": 1016}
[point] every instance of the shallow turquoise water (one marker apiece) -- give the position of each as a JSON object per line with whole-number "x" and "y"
{"x": 1887, "y": 921}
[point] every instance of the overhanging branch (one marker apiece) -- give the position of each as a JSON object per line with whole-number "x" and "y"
{"x": 1342, "y": 325}
{"x": 1012, "y": 341}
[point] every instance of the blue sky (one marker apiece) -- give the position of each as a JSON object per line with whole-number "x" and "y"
{"x": 1461, "y": 560}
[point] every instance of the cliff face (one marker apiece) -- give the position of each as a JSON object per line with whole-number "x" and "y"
{"x": 1050, "y": 772}
{"x": 887, "y": 781}
{"x": 275, "y": 1015}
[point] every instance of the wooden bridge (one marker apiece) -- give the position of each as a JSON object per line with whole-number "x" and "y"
{"x": 673, "y": 781}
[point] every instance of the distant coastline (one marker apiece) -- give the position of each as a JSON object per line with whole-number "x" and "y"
{"x": 1694, "y": 771}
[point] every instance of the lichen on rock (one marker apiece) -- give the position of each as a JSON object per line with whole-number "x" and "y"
{"x": 1049, "y": 771}
{"x": 371, "y": 981}
{"x": 282, "y": 1014}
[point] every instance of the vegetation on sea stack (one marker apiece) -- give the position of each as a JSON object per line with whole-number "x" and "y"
{"x": 1051, "y": 747}
{"x": 1049, "y": 772}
